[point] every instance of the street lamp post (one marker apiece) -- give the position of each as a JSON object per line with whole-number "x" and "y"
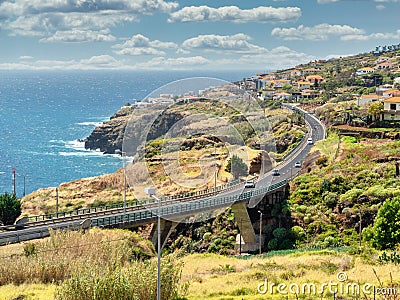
{"x": 260, "y": 242}
{"x": 24, "y": 185}
{"x": 215, "y": 171}
{"x": 57, "y": 202}
{"x": 240, "y": 238}
{"x": 14, "y": 176}
{"x": 360, "y": 227}
{"x": 151, "y": 192}
{"x": 122, "y": 153}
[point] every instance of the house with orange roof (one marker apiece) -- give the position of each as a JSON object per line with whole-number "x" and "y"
{"x": 311, "y": 71}
{"x": 268, "y": 77}
{"x": 313, "y": 79}
{"x": 278, "y": 83}
{"x": 391, "y": 109}
{"x": 303, "y": 85}
{"x": 384, "y": 66}
{"x": 391, "y": 93}
{"x": 295, "y": 73}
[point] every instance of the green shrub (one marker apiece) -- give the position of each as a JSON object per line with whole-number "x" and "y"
{"x": 29, "y": 249}
{"x": 393, "y": 258}
{"x": 385, "y": 233}
{"x": 322, "y": 161}
{"x": 10, "y": 209}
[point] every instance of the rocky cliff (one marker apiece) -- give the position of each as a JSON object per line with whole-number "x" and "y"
{"x": 108, "y": 136}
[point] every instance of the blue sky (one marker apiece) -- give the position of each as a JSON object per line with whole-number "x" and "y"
{"x": 202, "y": 34}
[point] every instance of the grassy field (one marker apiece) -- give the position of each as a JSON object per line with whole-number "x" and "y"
{"x": 216, "y": 277}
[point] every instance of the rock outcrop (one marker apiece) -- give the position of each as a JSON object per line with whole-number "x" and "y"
{"x": 108, "y": 137}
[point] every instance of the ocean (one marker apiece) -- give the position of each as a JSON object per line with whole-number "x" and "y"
{"x": 45, "y": 114}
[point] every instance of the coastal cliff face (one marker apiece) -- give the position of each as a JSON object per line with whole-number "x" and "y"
{"x": 108, "y": 136}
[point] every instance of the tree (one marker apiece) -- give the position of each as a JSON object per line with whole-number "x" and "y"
{"x": 375, "y": 109}
{"x": 385, "y": 233}
{"x": 10, "y": 209}
{"x": 236, "y": 166}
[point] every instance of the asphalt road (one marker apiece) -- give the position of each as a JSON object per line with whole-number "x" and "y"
{"x": 286, "y": 169}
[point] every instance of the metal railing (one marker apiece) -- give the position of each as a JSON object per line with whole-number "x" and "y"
{"x": 182, "y": 209}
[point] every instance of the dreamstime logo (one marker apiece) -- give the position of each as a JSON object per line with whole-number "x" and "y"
{"x": 180, "y": 137}
{"x": 339, "y": 287}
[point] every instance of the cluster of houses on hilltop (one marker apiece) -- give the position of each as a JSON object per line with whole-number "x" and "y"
{"x": 274, "y": 86}
{"x": 296, "y": 84}
{"x": 382, "y": 63}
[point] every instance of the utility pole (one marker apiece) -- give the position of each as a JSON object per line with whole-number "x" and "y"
{"x": 260, "y": 244}
{"x": 360, "y": 228}
{"x": 240, "y": 238}
{"x": 215, "y": 171}
{"x": 24, "y": 185}
{"x": 14, "y": 172}
{"x": 57, "y": 202}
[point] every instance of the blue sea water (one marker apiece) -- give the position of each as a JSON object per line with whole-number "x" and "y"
{"x": 44, "y": 114}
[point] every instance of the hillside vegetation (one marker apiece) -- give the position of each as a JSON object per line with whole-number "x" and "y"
{"x": 343, "y": 188}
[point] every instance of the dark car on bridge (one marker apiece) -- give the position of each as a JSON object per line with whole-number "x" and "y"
{"x": 275, "y": 172}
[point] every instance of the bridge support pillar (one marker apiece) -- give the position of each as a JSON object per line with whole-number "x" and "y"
{"x": 166, "y": 228}
{"x": 246, "y": 240}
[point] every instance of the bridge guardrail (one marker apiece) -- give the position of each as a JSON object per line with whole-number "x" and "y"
{"x": 182, "y": 208}
{"x": 38, "y": 219}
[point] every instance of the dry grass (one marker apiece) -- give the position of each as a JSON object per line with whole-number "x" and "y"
{"x": 216, "y": 277}
{"x": 242, "y": 282}
{"x": 54, "y": 259}
{"x": 77, "y": 194}
{"x": 29, "y": 291}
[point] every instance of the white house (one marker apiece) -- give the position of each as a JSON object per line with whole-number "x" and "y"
{"x": 364, "y": 71}
{"x": 368, "y": 98}
{"x": 383, "y": 59}
{"x": 391, "y": 109}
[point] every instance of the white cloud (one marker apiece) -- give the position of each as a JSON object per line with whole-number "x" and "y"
{"x": 107, "y": 62}
{"x": 276, "y": 58}
{"x": 317, "y": 32}
{"x": 237, "y": 43}
{"x": 380, "y": 7}
{"x": 262, "y": 14}
{"x": 174, "y": 63}
{"x": 25, "y": 57}
{"x": 48, "y": 23}
{"x": 141, "y": 45}
{"x": 78, "y": 36}
{"x": 373, "y": 36}
{"x": 45, "y": 17}
{"x": 182, "y": 51}
{"x": 101, "y": 62}
{"x": 32, "y": 7}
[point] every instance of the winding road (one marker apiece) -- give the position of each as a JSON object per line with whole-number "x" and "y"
{"x": 175, "y": 208}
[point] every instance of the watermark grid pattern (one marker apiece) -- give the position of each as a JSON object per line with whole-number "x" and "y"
{"x": 340, "y": 286}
